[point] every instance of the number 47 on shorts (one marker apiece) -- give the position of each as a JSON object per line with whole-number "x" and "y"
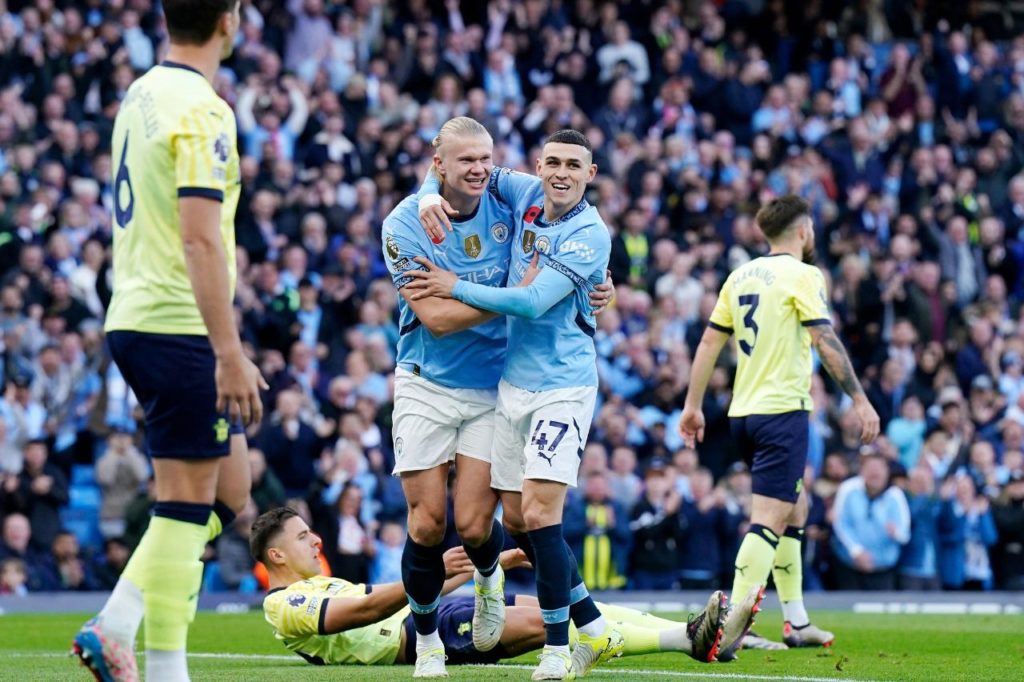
{"x": 541, "y": 441}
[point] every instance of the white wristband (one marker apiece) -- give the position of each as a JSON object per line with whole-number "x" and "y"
{"x": 429, "y": 200}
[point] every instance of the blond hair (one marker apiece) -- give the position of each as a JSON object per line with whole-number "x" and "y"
{"x": 460, "y": 126}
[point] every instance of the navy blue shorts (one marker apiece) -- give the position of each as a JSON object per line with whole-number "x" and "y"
{"x": 774, "y": 446}
{"x": 455, "y": 627}
{"x": 172, "y": 375}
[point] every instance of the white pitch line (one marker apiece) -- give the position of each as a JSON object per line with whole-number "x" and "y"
{"x": 681, "y": 673}
{"x": 494, "y": 666}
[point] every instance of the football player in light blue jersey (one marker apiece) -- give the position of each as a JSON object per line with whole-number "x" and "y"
{"x": 549, "y": 385}
{"x": 450, "y": 357}
{"x": 448, "y": 366}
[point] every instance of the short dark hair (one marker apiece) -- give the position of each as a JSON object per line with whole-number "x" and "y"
{"x": 193, "y": 22}
{"x": 266, "y": 528}
{"x": 570, "y": 136}
{"x": 780, "y": 213}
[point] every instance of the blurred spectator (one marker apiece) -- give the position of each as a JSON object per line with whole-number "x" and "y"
{"x": 906, "y": 432}
{"x": 110, "y": 566}
{"x": 596, "y": 528}
{"x": 871, "y": 522}
{"x": 119, "y": 472}
{"x": 655, "y": 524}
{"x": 966, "y": 531}
{"x": 38, "y": 492}
{"x": 348, "y": 544}
{"x": 387, "y": 559}
{"x": 267, "y": 492}
{"x": 290, "y": 445}
{"x": 623, "y": 484}
{"x": 918, "y": 562}
{"x": 1008, "y": 514}
{"x": 233, "y": 557}
{"x": 16, "y": 539}
{"x": 709, "y": 525}
{"x": 13, "y": 578}
{"x": 65, "y": 569}
{"x": 138, "y": 513}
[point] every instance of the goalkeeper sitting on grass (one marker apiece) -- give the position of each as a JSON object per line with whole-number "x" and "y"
{"x": 329, "y": 621}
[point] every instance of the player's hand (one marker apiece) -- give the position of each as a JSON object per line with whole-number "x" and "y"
{"x": 531, "y": 272}
{"x": 691, "y": 427}
{"x": 430, "y": 282}
{"x": 434, "y": 219}
{"x": 239, "y": 383}
{"x": 603, "y": 294}
{"x": 456, "y": 562}
{"x": 869, "y": 423}
{"x": 513, "y": 558}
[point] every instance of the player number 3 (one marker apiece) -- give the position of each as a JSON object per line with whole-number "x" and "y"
{"x": 748, "y": 320}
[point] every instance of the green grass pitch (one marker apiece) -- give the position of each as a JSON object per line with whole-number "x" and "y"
{"x": 868, "y": 647}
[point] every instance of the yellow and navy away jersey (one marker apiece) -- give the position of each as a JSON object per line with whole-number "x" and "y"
{"x": 768, "y": 303}
{"x": 297, "y": 614}
{"x": 173, "y": 137}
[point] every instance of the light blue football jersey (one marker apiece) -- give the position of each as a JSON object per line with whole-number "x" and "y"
{"x": 550, "y": 342}
{"x": 478, "y": 252}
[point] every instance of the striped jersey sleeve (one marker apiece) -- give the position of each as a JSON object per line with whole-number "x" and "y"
{"x": 201, "y": 146}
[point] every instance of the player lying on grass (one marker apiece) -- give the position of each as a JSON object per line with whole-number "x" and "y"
{"x": 329, "y": 621}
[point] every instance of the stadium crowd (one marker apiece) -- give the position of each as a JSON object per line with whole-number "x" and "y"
{"x": 902, "y": 124}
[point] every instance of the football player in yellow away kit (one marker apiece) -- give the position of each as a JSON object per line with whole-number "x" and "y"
{"x": 777, "y": 307}
{"x": 329, "y": 621}
{"x": 171, "y": 331}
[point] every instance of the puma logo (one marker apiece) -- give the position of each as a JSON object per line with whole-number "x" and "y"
{"x": 784, "y": 567}
{"x": 742, "y": 570}
{"x": 547, "y": 458}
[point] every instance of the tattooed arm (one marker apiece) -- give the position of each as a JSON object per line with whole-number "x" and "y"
{"x": 837, "y": 363}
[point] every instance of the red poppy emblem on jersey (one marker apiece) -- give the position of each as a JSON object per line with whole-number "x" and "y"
{"x": 531, "y": 214}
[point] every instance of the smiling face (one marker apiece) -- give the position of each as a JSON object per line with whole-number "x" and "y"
{"x": 565, "y": 169}
{"x": 465, "y": 163}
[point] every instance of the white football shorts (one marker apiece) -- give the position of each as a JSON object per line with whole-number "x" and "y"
{"x": 432, "y": 422}
{"x": 539, "y": 434}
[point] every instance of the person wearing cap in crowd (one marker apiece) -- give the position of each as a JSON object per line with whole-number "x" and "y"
{"x": 25, "y": 416}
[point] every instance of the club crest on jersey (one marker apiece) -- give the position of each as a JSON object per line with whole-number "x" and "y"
{"x": 399, "y": 446}
{"x": 392, "y": 246}
{"x": 543, "y": 244}
{"x": 529, "y": 236}
{"x": 296, "y": 600}
{"x": 472, "y": 245}
{"x": 500, "y": 232}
